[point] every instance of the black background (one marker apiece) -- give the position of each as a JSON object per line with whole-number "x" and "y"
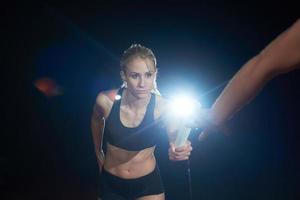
{"x": 46, "y": 144}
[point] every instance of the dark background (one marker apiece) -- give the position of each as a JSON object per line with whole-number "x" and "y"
{"x": 46, "y": 144}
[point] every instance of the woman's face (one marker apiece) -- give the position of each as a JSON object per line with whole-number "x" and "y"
{"x": 140, "y": 75}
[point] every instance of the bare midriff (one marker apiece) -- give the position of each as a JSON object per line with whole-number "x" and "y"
{"x": 129, "y": 164}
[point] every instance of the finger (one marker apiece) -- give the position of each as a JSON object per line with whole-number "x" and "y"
{"x": 182, "y": 158}
{"x": 172, "y": 154}
{"x": 186, "y": 150}
{"x": 172, "y": 146}
{"x": 179, "y": 158}
{"x": 186, "y": 147}
{"x": 179, "y": 153}
{"x": 182, "y": 154}
{"x": 180, "y": 149}
{"x": 171, "y": 150}
{"x": 189, "y": 149}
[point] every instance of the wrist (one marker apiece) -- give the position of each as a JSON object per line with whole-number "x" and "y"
{"x": 214, "y": 120}
{"x": 99, "y": 150}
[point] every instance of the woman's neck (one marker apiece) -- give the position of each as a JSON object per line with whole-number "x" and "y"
{"x": 133, "y": 102}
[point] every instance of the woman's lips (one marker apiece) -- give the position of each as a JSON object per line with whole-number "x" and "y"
{"x": 142, "y": 91}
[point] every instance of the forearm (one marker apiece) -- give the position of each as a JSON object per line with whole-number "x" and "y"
{"x": 239, "y": 91}
{"x": 172, "y": 127}
{"x": 97, "y": 126}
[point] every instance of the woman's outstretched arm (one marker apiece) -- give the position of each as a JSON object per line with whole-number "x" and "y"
{"x": 280, "y": 56}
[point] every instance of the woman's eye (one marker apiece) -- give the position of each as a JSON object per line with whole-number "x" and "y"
{"x": 135, "y": 76}
{"x": 148, "y": 75}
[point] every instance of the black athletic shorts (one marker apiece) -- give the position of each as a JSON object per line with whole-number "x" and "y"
{"x": 115, "y": 188}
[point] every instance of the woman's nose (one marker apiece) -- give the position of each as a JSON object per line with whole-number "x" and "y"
{"x": 141, "y": 82}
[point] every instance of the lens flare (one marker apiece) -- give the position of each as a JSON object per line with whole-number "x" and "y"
{"x": 183, "y": 106}
{"x": 48, "y": 87}
{"x": 182, "y": 111}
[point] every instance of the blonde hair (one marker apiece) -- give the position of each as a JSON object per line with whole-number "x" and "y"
{"x": 138, "y": 50}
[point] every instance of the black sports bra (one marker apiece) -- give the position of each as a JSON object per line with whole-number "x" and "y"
{"x": 137, "y": 138}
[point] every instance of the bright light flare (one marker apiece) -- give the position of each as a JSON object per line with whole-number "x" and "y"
{"x": 48, "y": 87}
{"x": 183, "y": 107}
{"x": 181, "y": 111}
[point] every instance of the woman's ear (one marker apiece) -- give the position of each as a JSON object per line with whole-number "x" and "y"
{"x": 122, "y": 74}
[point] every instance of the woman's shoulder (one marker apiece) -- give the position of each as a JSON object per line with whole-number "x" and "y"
{"x": 107, "y": 95}
{"x": 106, "y": 98}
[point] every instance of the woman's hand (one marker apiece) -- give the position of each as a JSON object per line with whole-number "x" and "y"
{"x": 208, "y": 122}
{"x": 180, "y": 153}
